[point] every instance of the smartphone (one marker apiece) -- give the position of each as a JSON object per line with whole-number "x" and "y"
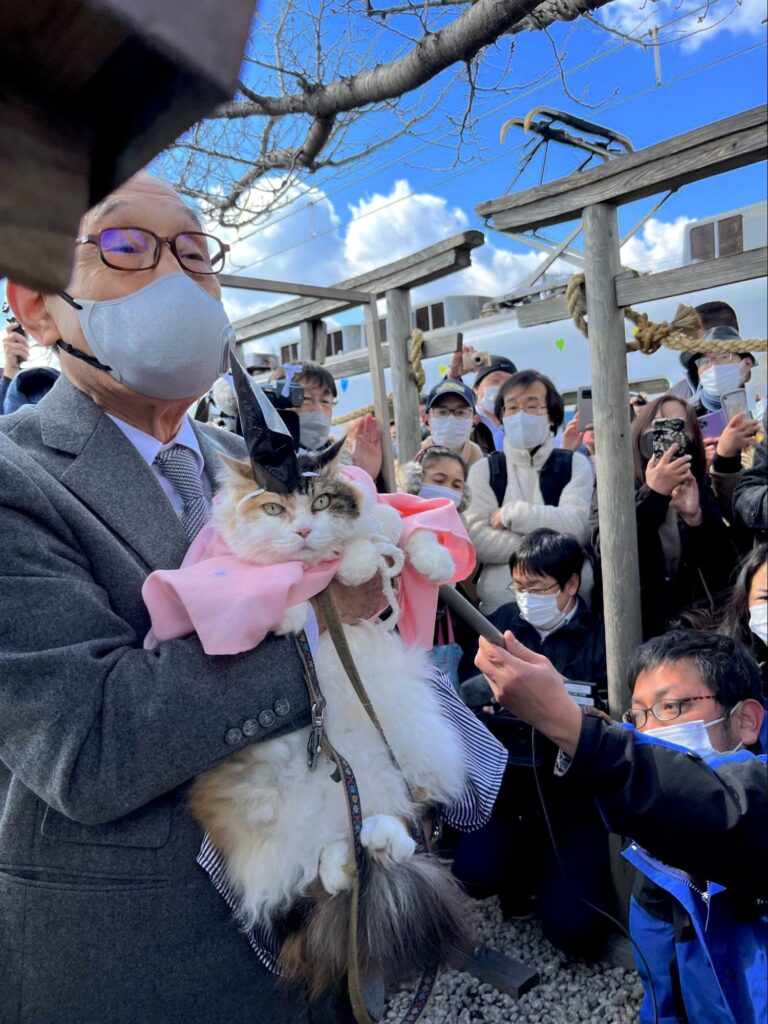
{"x": 713, "y": 424}
{"x": 735, "y": 401}
{"x": 584, "y": 407}
{"x": 474, "y": 361}
{"x": 667, "y": 432}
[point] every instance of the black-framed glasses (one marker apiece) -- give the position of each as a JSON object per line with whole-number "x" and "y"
{"x": 132, "y": 248}
{"x": 665, "y": 710}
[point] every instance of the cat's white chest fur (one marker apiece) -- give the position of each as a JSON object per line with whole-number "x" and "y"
{"x": 275, "y": 817}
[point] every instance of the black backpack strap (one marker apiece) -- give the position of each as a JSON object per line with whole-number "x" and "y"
{"x": 497, "y": 475}
{"x": 555, "y": 475}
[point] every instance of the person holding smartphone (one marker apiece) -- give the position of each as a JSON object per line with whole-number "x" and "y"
{"x": 686, "y": 550}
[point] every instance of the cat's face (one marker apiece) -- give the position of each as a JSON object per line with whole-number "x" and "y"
{"x": 310, "y": 525}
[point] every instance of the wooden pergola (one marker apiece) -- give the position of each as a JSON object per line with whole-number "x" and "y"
{"x": 595, "y": 196}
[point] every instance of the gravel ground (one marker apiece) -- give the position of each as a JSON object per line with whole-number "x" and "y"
{"x": 568, "y": 991}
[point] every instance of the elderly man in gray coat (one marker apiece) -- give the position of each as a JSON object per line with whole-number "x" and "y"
{"x": 105, "y": 916}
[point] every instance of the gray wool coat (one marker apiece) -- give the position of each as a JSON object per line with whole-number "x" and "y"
{"x": 105, "y": 918}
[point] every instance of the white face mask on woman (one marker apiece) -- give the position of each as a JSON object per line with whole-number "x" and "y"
{"x": 433, "y": 491}
{"x": 525, "y": 430}
{"x": 758, "y": 621}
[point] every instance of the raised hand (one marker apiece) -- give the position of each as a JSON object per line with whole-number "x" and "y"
{"x": 739, "y": 434}
{"x": 665, "y": 474}
{"x": 15, "y": 349}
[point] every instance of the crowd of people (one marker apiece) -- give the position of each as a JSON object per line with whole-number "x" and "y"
{"x": 93, "y": 784}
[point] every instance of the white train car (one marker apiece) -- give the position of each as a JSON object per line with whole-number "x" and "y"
{"x": 559, "y": 350}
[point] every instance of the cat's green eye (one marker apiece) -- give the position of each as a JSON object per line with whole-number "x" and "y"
{"x": 320, "y": 503}
{"x": 273, "y": 509}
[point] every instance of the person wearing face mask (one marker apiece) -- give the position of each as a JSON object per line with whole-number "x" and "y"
{"x": 102, "y": 482}
{"x": 686, "y": 549}
{"x": 450, "y": 412}
{"x": 685, "y": 779}
{"x": 529, "y": 485}
{"x": 488, "y": 432}
{"x": 717, "y": 373}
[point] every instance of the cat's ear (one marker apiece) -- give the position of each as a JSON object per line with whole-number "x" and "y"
{"x": 318, "y": 461}
{"x": 237, "y": 469}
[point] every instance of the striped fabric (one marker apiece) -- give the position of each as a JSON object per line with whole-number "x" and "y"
{"x": 486, "y": 760}
{"x": 179, "y": 465}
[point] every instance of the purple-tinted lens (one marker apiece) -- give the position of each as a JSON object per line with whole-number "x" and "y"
{"x": 198, "y": 252}
{"x": 128, "y": 247}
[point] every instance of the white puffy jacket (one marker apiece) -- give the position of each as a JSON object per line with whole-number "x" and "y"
{"x": 522, "y": 512}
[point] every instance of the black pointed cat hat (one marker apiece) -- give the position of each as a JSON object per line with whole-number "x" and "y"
{"x": 269, "y": 443}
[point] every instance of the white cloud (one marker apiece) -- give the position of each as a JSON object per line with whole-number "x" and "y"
{"x": 658, "y": 245}
{"x": 693, "y": 26}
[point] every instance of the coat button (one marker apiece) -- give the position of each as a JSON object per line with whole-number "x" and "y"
{"x": 267, "y": 719}
{"x": 281, "y": 707}
{"x": 250, "y": 727}
{"x": 233, "y": 737}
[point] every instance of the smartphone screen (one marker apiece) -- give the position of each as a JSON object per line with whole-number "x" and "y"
{"x": 584, "y": 407}
{"x": 734, "y": 402}
{"x": 667, "y": 432}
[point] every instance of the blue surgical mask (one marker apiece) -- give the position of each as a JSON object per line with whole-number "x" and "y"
{"x": 433, "y": 491}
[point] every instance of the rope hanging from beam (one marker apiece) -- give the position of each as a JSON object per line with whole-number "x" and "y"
{"x": 683, "y": 334}
{"x": 420, "y": 377}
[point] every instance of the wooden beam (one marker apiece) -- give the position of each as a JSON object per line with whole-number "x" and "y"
{"x": 630, "y": 289}
{"x": 350, "y": 364}
{"x": 419, "y": 268}
{"x": 311, "y": 291}
{"x": 712, "y": 149}
{"x": 381, "y": 405}
{"x": 405, "y": 392}
{"x": 615, "y": 479}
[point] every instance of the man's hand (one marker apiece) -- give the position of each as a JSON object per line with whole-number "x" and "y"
{"x": 353, "y": 603}
{"x": 456, "y": 369}
{"x": 530, "y": 686}
{"x": 366, "y": 453}
{"x": 15, "y": 349}
{"x": 572, "y": 436}
{"x": 739, "y": 434}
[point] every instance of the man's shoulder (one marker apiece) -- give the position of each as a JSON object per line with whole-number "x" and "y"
{"x": 224, "y": 440}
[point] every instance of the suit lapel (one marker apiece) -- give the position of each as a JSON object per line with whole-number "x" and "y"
{"x": 109, "y": 476}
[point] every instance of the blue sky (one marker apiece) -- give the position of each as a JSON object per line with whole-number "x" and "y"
{"x": 409, "y": 196}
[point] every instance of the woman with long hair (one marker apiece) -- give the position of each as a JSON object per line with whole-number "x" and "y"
{"x": 746, "y": 614}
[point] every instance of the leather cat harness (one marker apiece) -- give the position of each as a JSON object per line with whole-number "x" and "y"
{"x": 319, "y": 744}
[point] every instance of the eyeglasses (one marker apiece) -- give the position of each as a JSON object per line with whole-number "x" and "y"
{"x": 665, "y": 710}
{"x": 139, "y": 249}
{"x": 553, "y": 588}
{"x": 718, "y": 359}
{"x": 533, "y": 406}
{"x": 442, "y": 412}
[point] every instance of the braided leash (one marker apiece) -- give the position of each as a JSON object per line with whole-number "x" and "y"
{"x": 319, "y": 743}
{"x": 683, "y": 334}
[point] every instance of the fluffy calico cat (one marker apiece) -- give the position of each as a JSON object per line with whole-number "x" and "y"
{"x": 282, "y": 828}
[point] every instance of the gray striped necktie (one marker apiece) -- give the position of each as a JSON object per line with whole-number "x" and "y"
{"x": 179, "y": 465}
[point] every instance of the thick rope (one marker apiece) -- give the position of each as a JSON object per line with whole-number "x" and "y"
{"x": 417, "y": 371}
{"x": 683, "y": 334}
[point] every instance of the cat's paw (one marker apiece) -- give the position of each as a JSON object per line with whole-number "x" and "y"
{"x": 294, "y": 620}
{"x": 359, "y": 563}
{"x": 389, "y": 522}
{"x": 428, "y": 558}
{"x": 336, "y": 867}
{"x": 386, "y": 838}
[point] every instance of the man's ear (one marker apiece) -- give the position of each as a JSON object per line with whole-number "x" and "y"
{"x": 30, "y": 309}
{"x": 749, "y": 718}
{"x": 572, "y": 586}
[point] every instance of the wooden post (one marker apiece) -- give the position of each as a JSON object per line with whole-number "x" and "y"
{"x": 405, "y": 392}
{"x": 381, "y": 405}
{"x": 306, "y": 341}
{"x": 615, "y": 478}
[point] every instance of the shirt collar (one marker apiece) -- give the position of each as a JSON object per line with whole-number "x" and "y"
{"x": 148, "y": 446}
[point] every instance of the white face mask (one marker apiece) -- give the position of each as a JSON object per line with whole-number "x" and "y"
{"x": 169, "y": 339}
{"x": 488, "y": 401}
{"x": 540, "y": 610}
{"x": 694, "y": 736}
{"x": 450, "y": 432}
{"x": 433, "y": 491}
{"x": 716, "y": 380}
{"x": 758, "y": 621}
{"x": 525, "y": 430}
{"x": 314, "y": 430}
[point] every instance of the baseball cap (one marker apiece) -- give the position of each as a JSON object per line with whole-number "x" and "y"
{"x": 496, "y": 363}
{"x": 451, "y": 387}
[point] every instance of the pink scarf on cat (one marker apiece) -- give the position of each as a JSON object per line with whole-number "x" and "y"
{"x": 232, "y": 604}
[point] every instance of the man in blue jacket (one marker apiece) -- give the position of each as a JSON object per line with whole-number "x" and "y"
{"x": 681, "y": 777}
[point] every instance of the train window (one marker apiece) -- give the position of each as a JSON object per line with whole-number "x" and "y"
{"x": 703, "y": 242}
{"x": 422, "y": 318}
{"x": 334, "y": 343}
{"x": 383, "y": 328}
{"x": 289, "y": 353}
{"x": 730, "y": 235}
{"x": 437, "y": 312}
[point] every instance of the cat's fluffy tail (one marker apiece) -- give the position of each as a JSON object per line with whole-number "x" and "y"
{"x": 413, "y": 915}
